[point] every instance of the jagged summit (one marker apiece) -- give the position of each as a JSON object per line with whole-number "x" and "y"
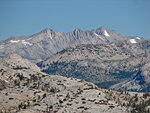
{"x": 47, "y": 30}
{"x": 77, "y": 32}
{"x": 14, "y": 56}
{"x": 102, "y": 31}
{"x": 102, "y": 28}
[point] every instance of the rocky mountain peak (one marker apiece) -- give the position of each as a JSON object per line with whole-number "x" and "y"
{"x": 16, "y": 61}
{"x": 47, "y": 30}
{"x": 14, "y": 56}
{"x": 46, "y": 33}
{"x": 101, "y": 29}
{"x": 77, "y": 31}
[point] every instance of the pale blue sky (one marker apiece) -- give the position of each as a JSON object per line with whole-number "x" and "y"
{"x": 26, "y": 17}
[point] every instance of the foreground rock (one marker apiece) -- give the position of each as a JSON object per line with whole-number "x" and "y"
{"x": 27, "y": 90}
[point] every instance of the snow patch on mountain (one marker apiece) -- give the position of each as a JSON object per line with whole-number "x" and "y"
{"x": 133, "y": 41}
{"x": 106, "y": 34}
{"x": 26, "y": 43}
{"x": 99, "y": 36}
{"x": 14, "y": 41}
{"x": 22, "y": 41}
{"x": 29, "y": 38}
{"x": 138, "y": 38}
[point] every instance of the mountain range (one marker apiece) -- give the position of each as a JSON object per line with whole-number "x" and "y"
{"x": 40, "y": 46}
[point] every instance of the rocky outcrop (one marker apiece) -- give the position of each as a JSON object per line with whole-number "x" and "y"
{"x": 123, "y": 65}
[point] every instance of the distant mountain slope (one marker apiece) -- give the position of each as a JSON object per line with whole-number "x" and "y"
{"x": 47, "y": 42}
{"x": 122, "y": 65}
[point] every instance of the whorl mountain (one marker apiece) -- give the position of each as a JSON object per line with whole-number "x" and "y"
{"x": 121, "y": 66}
{"x": 48, "y": 42}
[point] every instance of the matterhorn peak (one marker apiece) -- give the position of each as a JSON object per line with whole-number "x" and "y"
{"x": 102, "y": 28}
{"x": 102, "y": 31}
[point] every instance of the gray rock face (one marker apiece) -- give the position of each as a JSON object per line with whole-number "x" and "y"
{"x": 122, "y": 65}
{"x": 47, "y": 42}
{"x": 15, "y": 68}
{"x": 24, "y": 89}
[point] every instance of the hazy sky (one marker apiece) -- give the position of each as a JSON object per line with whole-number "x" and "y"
{"x": 26, "y": 17}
